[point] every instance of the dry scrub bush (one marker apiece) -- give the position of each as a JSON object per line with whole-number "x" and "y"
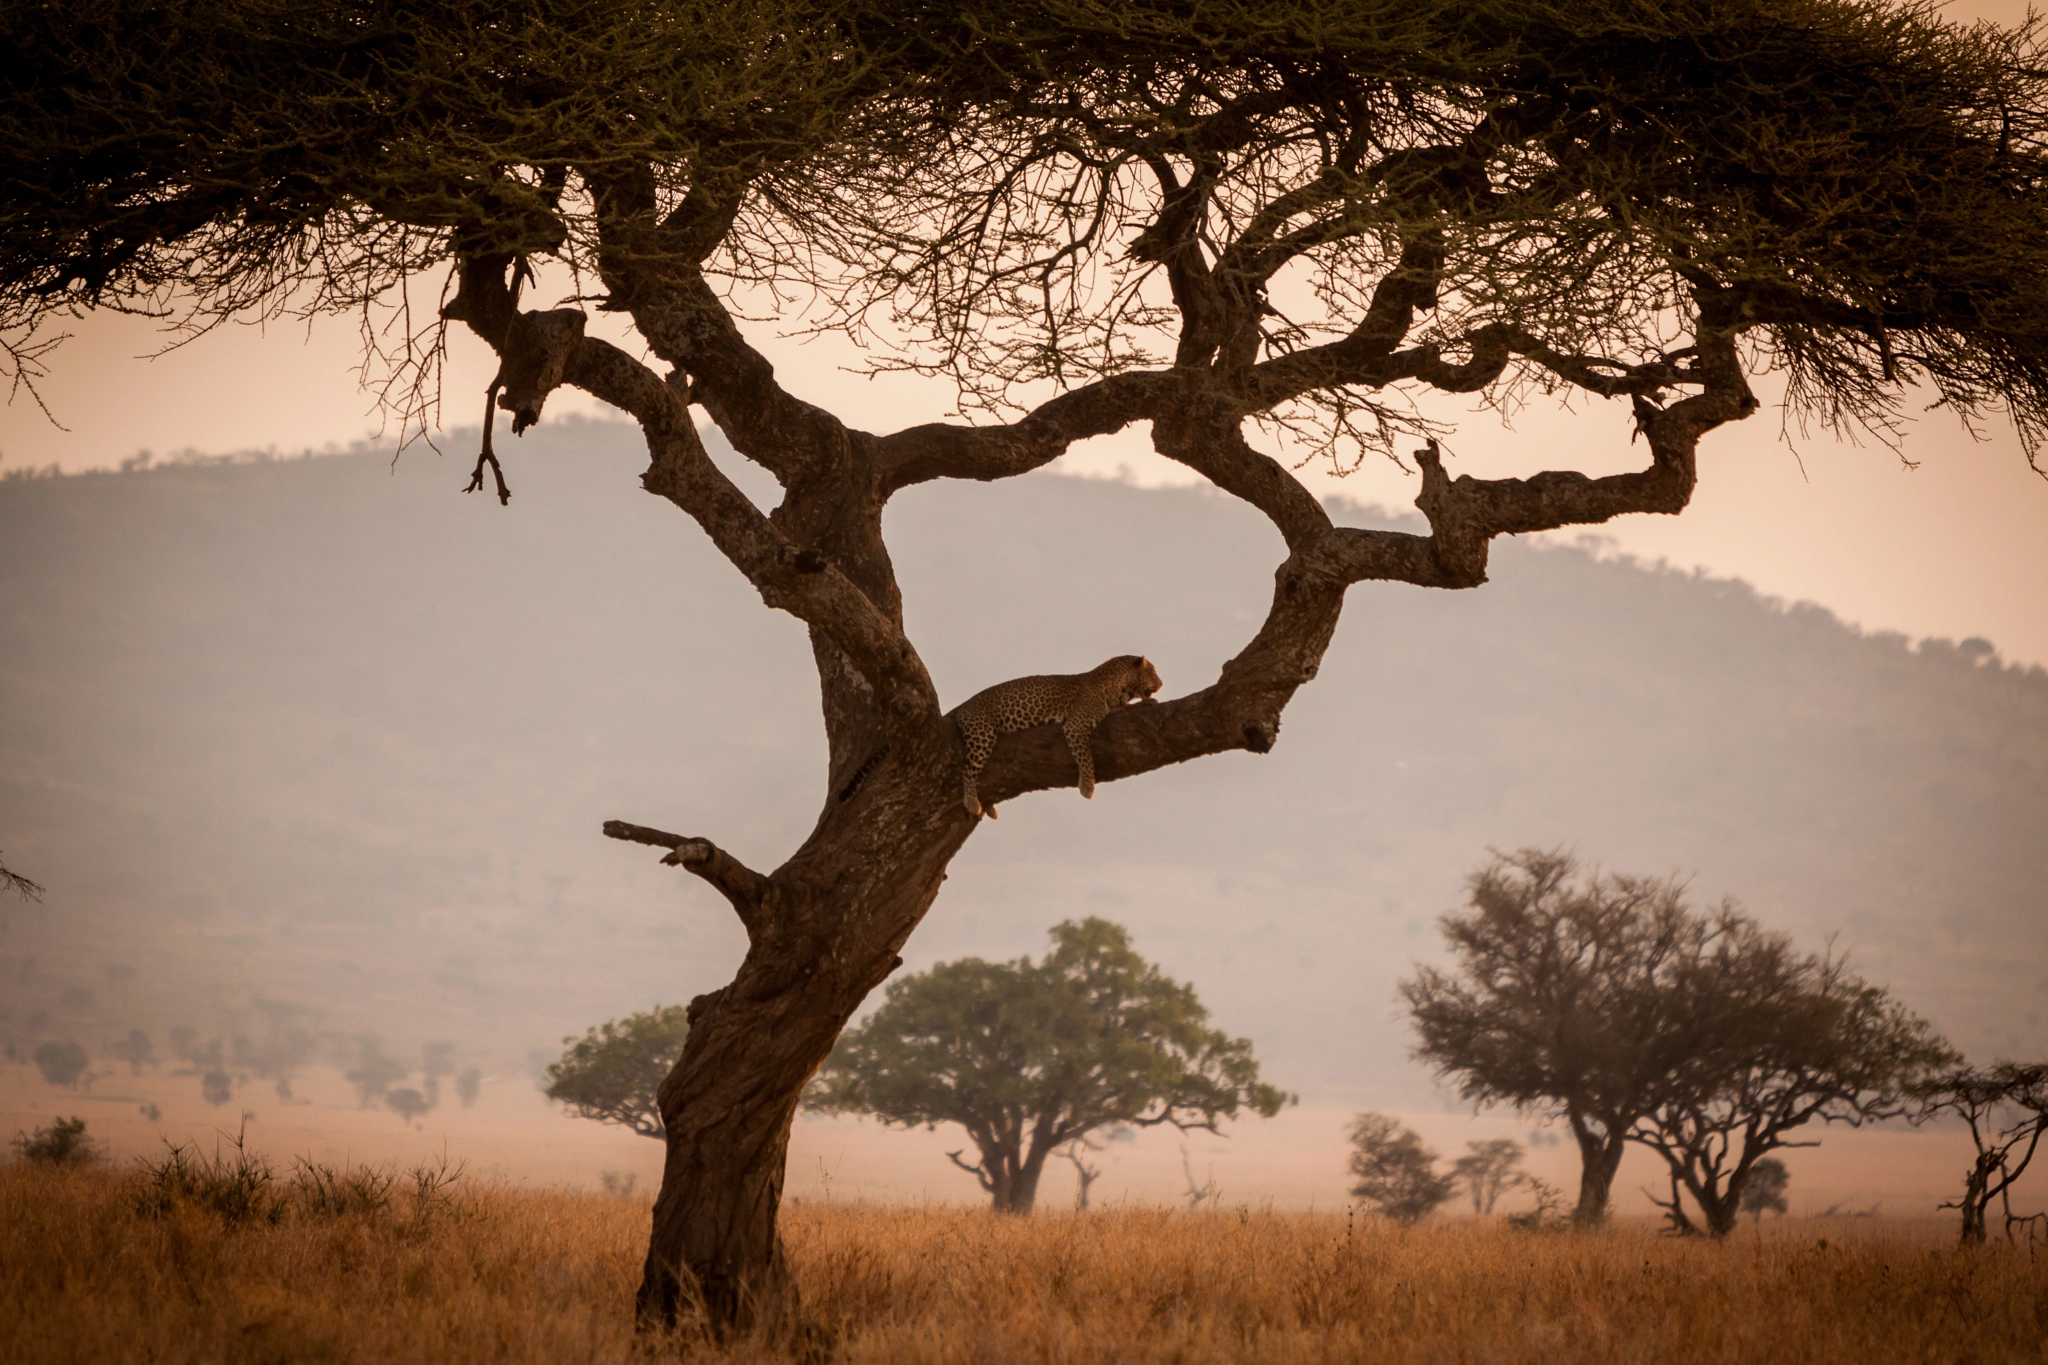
{"x": 545, "y": 1276}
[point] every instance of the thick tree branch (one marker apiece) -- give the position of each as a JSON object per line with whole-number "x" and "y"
{"x": 789, "y": 577}
{"x": 751, "y": 894}
{"x": 943, "y": 451}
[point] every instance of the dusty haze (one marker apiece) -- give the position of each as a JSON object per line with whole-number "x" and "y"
{"x": 317, "y": 748}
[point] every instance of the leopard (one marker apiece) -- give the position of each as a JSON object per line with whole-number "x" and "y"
{"x": 1076, "y": 700}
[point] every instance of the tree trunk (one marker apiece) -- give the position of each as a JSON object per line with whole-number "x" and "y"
{"x": 1599, "y": 1158}
{"x": 1023, "y": 1192}
{"x": 1974, "y": 1203}
{"x": 826, "y": 932}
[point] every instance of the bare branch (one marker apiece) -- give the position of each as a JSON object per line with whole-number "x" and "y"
{"x": 751, "y": 894}
{"x": 21, "y": 886}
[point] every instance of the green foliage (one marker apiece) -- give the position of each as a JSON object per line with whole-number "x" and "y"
{"x": 613, "y": 1072}
{"x": 1031, "y": 1056}
{"x": 62, "y": 1143}
{"x": 1396, "y": 1173}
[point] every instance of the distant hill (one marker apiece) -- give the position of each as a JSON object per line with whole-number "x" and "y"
{"x": 326, "y": 732}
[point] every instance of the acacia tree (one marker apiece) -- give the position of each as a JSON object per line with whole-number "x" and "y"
{"x": 1777, "y": 1040}
{"x": 1558, "y": 1001}
{"x": 2005, "y": 1108}
{"x": 1488, "y": 1170}
{"x": 1394, "y": 1171}
{"x": 1032, "y": 1057}
{"x": 614, "y": 1072}
{"x": 1093, "y": 215}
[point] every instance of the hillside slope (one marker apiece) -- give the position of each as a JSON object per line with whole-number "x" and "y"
{"x": 324, "y": 732}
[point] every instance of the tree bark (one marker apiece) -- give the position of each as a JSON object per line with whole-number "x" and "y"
{"x": 826, "y": 929}
{"x": 1599, "y": 1158}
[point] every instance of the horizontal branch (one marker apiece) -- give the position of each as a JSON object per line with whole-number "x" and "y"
{"x": 939, "y": 450}
{"x": 749, "y": 892}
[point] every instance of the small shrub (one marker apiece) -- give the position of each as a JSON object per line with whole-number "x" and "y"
{"x": 325, "y": 1192}
{"x": 237, "y": 1188}
{"x": 63, "y": 1143}
{"x": 1548, "y": 1215}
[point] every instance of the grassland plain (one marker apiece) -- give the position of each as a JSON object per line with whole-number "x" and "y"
{"x": 112, "y": 1265}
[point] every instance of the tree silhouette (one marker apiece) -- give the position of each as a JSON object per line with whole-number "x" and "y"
{"x": 61, "y": 1063}
{"x": 614, "y": 1072}
{"x": 1396, "y": 1174}
{"x": 1765, "y": 1190}
{"x": 1777, "y": 1040}
{"x": 1279, "y": 221}
{"x": 1487, "y": 1170}
{"x": 2005, "y": 1108}
{"x": 1557, "y": 1003}
{"x": 408, "y": 1103}
{"x": 1030, "y": 1057}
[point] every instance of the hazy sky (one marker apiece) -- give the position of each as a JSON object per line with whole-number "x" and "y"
{"x": 1956, "y": 547}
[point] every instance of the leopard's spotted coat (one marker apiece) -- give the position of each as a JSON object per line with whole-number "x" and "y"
{"x": 1076, "y": 700}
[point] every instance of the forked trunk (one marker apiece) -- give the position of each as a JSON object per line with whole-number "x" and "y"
{"x": 1016, "y": 1186}
{"x": 1599, "y": 1158}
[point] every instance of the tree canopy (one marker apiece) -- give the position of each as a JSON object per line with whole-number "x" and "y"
{"x": 1699, "y": 1034}
{"x": 1777, "y": 1040}
{"x": 1275, "y": 222}
{"x": 2005, "y": 1108}
{"x": 1558, "y": 1001}
{"x": 612, "y": 1073}
{"x": 1394, "y": 1171}
{"x": 1029, "y": 1057}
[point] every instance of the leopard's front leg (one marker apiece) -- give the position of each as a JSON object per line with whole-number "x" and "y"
{"x": 1080, "y": 731}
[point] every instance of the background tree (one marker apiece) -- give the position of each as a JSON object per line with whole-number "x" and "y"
{"x": 1031, "y": 1057}
{"x": 1488, "y": 1170}
{"x": 135, "y": 1049}
{"x": 374, "y": 1072}
{"x": 1557, "y": 1001}
{"x": 1090, "y": 217}
{"x": 1776, "y": 1040}
{"x": 1764, "y": 1192}
{"x": 408, "y": 1103}
{"x": 2006, "y": 1110}
{"x": 437, "y": 1060}
{"x": 1396, "y": 1174}
{"x": 61, "y": 1062}
{"x": 613, "y": 1072}
{"x": 216, "y": 1087}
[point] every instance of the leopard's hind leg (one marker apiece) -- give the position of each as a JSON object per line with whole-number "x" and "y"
{"x": 981, "y": 742}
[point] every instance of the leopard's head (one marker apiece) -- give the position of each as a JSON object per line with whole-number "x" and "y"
{"x": 1144, "y": 680}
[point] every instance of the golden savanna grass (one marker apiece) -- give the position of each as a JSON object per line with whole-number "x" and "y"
{"x": 94, "y": 1266}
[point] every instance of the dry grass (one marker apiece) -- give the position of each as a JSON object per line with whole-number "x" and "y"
{"x": 97, "y": 1265}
